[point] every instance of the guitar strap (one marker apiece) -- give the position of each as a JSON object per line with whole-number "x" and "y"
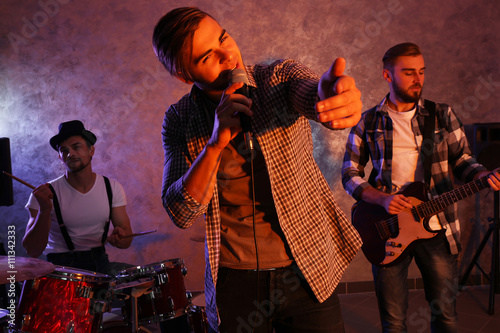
{"x": 428, "y": 140}
{"x": 64, "y": 230}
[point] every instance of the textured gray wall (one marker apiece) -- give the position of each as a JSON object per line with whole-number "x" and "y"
{"x": 92, "y": 60}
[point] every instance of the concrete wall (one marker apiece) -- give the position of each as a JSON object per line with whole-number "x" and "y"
{"x": 92, "y": 60}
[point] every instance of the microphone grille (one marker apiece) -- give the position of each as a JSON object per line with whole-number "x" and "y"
{"x": 238, "y": 75}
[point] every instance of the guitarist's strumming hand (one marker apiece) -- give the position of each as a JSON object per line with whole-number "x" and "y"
{"x": 392, "y": 203}
{"x": 395, "y": 204}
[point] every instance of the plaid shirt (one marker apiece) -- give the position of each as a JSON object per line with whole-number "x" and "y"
{"x": 372, "y": 138}
{"x": 320, "y": 238}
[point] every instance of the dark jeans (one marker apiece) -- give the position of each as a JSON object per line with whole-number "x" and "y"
{"x": 284, "y": 303}
{"x": 95, "y": 260}
{"x": 439, "y": 269}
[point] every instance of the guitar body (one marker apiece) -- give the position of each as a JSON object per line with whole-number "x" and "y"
{"x": 402, "y": 230}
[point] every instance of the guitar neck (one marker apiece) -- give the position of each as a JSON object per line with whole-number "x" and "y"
{"x": 434, "y": 206}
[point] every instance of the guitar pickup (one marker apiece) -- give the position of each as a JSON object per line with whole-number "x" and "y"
{"x": 416, "y": 217}
{"x": 383, "y": 229}
{"x": 394, "y": 244}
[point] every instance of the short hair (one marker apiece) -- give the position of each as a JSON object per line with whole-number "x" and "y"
{"x": 399, "y": 50}
{"x": 172, "y": 39}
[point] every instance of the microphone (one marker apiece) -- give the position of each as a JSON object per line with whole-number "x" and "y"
{"x": 239, "y": 75}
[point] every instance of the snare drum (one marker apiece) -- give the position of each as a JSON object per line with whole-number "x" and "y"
{"x": 66, "y": 300}
{"x": 167, "y": 300}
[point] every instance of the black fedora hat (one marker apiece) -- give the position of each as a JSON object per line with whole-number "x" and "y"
{"x": 69, "y": 129}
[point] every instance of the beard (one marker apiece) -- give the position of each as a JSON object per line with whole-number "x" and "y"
{"x": 406, "y": 96}
{"x": 76, "y": 166}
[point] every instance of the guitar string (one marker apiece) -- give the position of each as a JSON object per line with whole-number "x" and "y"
{"x": 451, "y": 197}
{"x": 424, "y": 208}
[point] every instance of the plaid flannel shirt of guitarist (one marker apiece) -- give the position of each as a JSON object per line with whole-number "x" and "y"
{"x": 372, "y": 137}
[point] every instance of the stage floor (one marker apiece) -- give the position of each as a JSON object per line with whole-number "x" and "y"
{"x": 360, "y": 312}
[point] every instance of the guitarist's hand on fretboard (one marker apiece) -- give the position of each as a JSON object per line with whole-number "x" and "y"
{"x": 493, "y": 178}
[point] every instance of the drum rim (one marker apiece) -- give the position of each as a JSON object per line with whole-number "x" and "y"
{"x": 150, "y": 268}
{"x": 77, "y": 274}
{"x": 196, "y": 307}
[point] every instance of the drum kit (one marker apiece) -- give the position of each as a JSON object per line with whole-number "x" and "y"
{"x": 56, "y": 299}
{"x": 69, "y": 300}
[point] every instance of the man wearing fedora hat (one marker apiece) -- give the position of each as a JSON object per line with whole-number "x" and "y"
{"x": 70, "y": 216}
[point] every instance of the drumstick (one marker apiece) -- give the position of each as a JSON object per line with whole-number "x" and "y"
{"x": 133, "y": 235}
{"x": 33, "y": 187}
{"x": 139, "y": 233}
{"x": 20, "y": 180}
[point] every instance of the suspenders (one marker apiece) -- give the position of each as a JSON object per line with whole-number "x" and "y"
{"x": 110, "y": 200}
{"x": 64, "y": 231}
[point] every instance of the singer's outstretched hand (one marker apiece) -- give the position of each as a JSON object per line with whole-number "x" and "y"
{"x": 340, "y": 105}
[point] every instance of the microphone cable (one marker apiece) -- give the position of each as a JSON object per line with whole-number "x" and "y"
{"x": 250, "y": 148}
{"x": 239, "y": 75}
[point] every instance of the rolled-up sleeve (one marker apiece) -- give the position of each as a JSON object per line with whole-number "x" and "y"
{"x": 182, "y": 208}
{"x": 355, "y": 159}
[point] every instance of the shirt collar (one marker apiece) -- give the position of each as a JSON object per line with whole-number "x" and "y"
{"x": 383, "y": 106}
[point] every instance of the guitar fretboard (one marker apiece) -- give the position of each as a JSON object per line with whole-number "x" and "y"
{"x": 388, "y": 227}
{"x": 438, "y": 204}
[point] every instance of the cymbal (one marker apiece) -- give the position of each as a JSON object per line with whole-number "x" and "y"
{"x": 199, "y": 238}
{"x": 135, "y": 288}
{"x": 140, "y": 283}
{"x": 195, "y": 293}
{"x": 23, "y": 268}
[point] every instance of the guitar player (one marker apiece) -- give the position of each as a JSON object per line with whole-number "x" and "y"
{"x": 393, "y": 134}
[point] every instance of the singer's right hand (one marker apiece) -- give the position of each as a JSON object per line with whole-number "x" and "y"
{"x": 227, "y": 122}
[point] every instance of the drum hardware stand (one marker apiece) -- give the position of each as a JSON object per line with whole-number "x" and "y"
{"x": 495, "y": 255}
{"x": 136, "y": 289}
{"x": 135, "y": 294}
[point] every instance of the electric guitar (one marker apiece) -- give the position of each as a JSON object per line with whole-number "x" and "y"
{"x": 387, "y": 238}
